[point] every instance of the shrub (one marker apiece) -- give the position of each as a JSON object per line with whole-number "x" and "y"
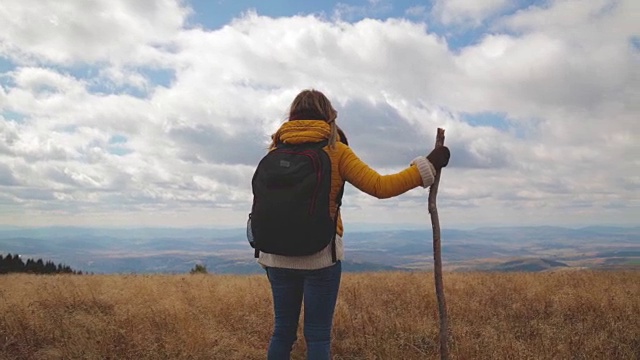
{"x": 199, "y": 269}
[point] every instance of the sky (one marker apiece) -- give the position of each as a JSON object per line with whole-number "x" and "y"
{"x": 155, "y": 113}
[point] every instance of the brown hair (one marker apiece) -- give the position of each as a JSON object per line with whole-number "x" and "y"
{"x": 313, "y": 105}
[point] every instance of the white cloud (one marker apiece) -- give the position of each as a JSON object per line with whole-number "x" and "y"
{"x": 75, "y": 31}
{"x": 120, "y": 147}
{"x": 372, "y": 8}
{"x": 123, "y": 77}
{"x": 467, "y": 12}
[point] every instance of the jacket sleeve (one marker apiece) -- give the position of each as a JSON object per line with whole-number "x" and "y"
{"x": 360, "y": 175}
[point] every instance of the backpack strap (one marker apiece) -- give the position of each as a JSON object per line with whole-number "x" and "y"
{"x": 334, "y": 255}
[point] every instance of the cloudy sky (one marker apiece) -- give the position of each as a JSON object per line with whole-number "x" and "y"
{"x": 156, "y": 112}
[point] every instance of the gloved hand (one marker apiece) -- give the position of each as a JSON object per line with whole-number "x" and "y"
{"x": 439, "y": 157}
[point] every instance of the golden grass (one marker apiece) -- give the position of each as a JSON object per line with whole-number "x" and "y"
{"x": 565, "y": 315}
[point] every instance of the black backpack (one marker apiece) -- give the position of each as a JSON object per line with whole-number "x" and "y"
{"x": 290, "y": 213}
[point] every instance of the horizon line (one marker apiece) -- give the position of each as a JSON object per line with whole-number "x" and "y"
{"x": 377, "y": 226}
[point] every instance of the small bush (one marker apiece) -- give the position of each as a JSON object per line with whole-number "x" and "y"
{"x": 199, "y": 269}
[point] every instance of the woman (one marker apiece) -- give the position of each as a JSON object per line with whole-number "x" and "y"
{"x": 315, "y": 279}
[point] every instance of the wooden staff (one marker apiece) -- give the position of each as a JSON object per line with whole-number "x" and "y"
{"x": 437, "y": 258}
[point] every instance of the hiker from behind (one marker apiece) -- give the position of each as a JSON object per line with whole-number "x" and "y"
{"x": 295, "y": 224}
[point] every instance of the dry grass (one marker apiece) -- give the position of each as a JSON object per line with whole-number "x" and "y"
{"x": 565, "y": 315}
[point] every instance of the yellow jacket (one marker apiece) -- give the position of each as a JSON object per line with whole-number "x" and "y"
{"x": 347, "y": 167}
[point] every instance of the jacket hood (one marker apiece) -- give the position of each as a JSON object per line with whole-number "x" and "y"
{"x": 302, "y": 131}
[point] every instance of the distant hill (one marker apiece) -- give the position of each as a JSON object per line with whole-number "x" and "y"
{"x": 170, "y": 250}
{"x": 529, "y": 265}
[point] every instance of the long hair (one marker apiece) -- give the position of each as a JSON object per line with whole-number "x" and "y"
{"x": 313, "y": 105}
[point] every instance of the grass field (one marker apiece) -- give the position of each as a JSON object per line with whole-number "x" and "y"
{"x": 562, "y": 315}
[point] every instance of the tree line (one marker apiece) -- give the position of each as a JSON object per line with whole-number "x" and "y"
{"x": 15, "y": 264}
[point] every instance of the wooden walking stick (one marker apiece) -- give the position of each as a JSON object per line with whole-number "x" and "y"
{"x": 437, "y": 258}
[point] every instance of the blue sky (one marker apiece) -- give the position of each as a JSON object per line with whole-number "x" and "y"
{"x": 215, "y": 14}
{"x": 156, "y": 112}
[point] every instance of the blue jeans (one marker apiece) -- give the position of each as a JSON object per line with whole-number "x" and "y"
{"x": 319, "y": 289}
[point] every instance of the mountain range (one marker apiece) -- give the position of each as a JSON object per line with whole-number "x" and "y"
{"x": 171, "y": 250}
